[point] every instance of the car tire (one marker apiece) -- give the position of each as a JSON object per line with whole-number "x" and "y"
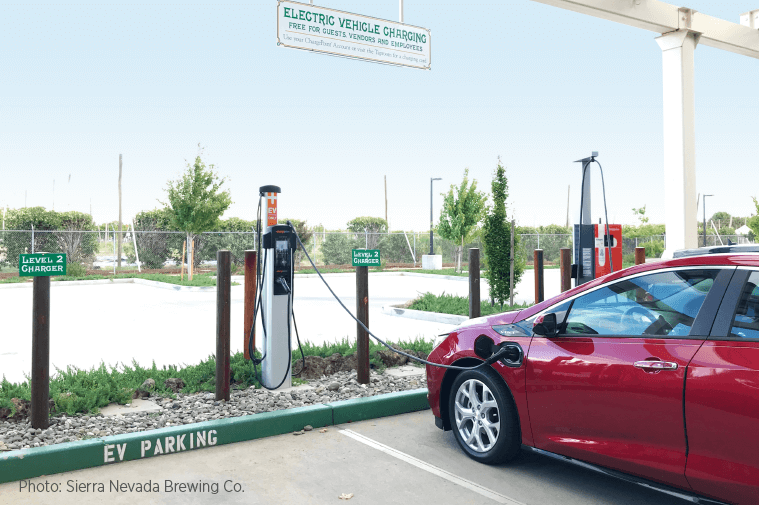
{"x": 483, "y": 416}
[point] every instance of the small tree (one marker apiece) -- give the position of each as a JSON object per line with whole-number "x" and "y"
{"x": 368, "y": 228}
{"x": 463, "y": 209}
{"x": 753, "y": 222}
{"x": 641, "y": 214}
{"x": 196, "y": 202}
{"x": 496, "y": 234}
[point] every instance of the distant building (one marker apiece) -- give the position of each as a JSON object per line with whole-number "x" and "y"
{"x": 743, "y": 230}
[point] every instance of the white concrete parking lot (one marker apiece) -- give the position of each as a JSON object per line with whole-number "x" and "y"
{"x": 117, "y": 323}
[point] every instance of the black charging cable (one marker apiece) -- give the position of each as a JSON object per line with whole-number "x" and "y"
{"x": 606, "y": 212}
{"x": 502, "y": 353}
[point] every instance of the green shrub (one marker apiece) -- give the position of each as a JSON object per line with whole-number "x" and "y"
{"x": 336, "y": 249}
{"x": 654, "y": 249}
{"x": 457, "y": 305}
{"x": 52, "y": 233}
{"x": 394, "y": 248}
{"x": 75, "y": 270}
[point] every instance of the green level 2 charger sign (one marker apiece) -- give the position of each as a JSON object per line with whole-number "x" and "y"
{"x": 41, "y": 265}
{"x": 366, "y": 257}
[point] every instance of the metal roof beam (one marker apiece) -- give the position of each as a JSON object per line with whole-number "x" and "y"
{"x": 661, "y": 17}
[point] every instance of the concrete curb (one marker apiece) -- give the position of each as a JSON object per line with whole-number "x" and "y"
{"x": 434, "y": 317}
{"x": 133, "y": 280}
{"x": 29, "y": 463}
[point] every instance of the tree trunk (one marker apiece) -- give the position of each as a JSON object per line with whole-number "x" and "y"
{"x": 190, "y": 240}
{"x": 461, "y": 251}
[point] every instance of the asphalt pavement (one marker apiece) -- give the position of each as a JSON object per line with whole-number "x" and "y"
{"x": 400, "y": 459}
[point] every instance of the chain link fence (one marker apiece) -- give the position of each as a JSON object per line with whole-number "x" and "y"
{"x": 162, "y": 250}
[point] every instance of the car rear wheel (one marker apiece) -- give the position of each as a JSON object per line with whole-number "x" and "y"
{"x": 483, "y": 416}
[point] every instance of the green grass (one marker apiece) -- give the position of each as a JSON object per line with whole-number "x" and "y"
{"x": 457, "y": 305}
{"x": 86, "y": 391}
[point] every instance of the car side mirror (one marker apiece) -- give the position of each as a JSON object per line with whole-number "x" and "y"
{"x": 545, "y": 325}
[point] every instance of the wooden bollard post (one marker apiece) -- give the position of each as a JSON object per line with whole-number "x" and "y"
{"x": 223, "y": 320}
{"x": 565, "y": 266}
{"x": 640, "y": 255}
{"x": 362, "y": 313}
{"x": 538, "y": 263}
{"x": 40, "y": 353}
{"x": 474, "y": 283}
{"x": 250, "y": 302}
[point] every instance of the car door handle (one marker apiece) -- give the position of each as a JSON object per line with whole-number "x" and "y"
{"x": 655, "y": 366}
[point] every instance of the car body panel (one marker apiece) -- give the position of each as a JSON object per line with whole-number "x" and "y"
{"x": 722, "y": 412}
{"x": 587, "y": 401}
{"x": 459, "y": 345}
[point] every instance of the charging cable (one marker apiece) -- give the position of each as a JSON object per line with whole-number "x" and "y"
{"x": 502, "y": 353}
{"x": 606, "y": 213}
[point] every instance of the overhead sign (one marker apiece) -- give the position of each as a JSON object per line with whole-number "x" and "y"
{"x": 41, "y": 265}
{"x": 365, "y": 257}
{"x": 306, "y": 26}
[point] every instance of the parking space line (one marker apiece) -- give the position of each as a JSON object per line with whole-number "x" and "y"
{"x": 468, "y": 484}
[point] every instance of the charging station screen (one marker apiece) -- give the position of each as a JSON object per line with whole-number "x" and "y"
{"x": 281, "y": 247}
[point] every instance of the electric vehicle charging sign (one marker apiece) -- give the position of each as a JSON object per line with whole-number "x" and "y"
{"x": 365, "y": 257}
{"x": 322, "y": 30}
{"x": 41, "y": 265}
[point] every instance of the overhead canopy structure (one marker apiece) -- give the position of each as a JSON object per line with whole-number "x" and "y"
{"x": 681, "y": 30}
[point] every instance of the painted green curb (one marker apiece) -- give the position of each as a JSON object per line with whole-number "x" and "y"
{"x": 28, "y": 463}
{"x": 371, "y": 407}
{"x": 69, "y": 456}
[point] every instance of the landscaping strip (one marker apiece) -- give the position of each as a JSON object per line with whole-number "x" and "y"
{"x": 65, "y": 457}
{"x": 423, "y": 315}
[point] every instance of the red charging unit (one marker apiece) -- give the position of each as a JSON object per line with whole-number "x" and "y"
{"x": 602, "y": 242}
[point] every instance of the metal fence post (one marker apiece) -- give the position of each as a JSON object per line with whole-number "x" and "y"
{"x": 474, "y": 283}
{"x": 32, "y": 239}
{"x": 40, "y": 407}
{"x": 362, "y": 313}
{"x": 250, "y": 303}
{"x": 223, "y": 295}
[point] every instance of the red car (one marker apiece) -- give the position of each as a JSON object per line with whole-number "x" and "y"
{"x": 650, "y": 374}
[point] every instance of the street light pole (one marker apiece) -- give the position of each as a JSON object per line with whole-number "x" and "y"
{"x": 432, "y": 179}
{"x": 704, "y": 204}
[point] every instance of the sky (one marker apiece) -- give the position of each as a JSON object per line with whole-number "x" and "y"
{"x": 82, "y": 83}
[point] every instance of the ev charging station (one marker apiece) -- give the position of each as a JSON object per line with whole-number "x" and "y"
{"x": 278, "y": 243}
{"x": 597, "y": 248}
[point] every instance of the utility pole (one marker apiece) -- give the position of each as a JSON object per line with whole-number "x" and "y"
{"x": 118, "y": 258}
{"x": 568, "y": 188}
{"x": 53, "y": 194}
{"x": 386, "y": 221}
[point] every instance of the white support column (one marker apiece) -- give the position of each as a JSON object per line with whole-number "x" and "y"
{"x": 679, "y": 139}
{"x": 400, "y": 10}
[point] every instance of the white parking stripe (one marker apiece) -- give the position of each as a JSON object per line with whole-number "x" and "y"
{"x": 472, "y": 486}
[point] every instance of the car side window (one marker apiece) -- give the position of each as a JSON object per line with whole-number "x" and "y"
{"x": 664, "y": 304}
{"x": 746, "y": 322}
